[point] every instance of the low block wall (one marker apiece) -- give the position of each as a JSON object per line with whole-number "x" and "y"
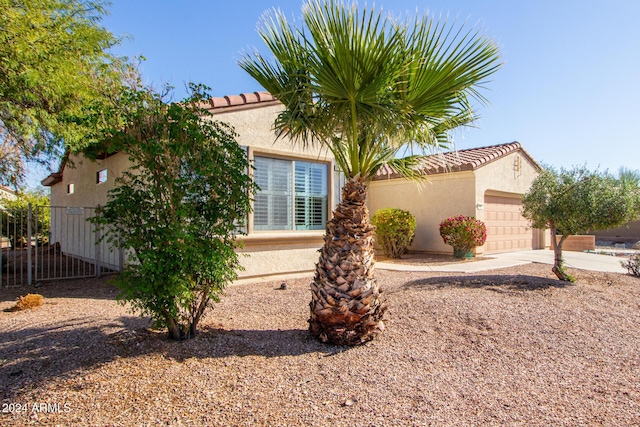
{"x": 578, "y": 243}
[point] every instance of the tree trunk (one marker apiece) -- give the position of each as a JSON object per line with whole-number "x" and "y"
{"x": 558, "y": 261}
{"x": 172, "y": 326}
{"x": 345, "y": 304}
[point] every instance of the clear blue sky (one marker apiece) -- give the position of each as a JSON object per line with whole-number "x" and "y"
{"x": 569, "y": 89}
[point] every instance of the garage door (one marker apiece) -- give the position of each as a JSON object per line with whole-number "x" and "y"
{"x": 507, "y": 229}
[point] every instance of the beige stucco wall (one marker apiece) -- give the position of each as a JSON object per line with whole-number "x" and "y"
{"x": 503, "y": 177}
{"x": 460, "y": 193}
{"x": 70, "y": 227}
{"x": 254, "y": 128}
{"x": 81, "y": 172}
{"x": 276, "y": 252}
{"x": 627, "y": 233}
{"x": 443, "y": 196}
{"x": 509, "y": 176}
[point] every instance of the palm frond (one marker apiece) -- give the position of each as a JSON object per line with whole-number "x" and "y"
{"x": 363, "y": 84}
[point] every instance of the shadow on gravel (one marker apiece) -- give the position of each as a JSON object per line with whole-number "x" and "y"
{"x": 90, "y": 288}
{"x": 31, "y": 356}
{"x": 518, "y": 282}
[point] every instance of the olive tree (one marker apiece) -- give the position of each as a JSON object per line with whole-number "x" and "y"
{"x": 578, "y": 201}
{"x": 178, "y": 211}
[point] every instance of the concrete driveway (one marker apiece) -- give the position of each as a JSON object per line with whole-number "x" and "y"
{"x": 581, "y": 260}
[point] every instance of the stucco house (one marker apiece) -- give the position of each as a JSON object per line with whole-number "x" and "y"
{"x": 7, "y": 193}
{"x": 289, "y": 215}
{"x": 301, "y": 186}
{"x": 484, "y": 182}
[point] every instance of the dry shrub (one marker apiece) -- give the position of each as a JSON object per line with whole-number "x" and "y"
{"x": 632, "y": 265}
{"x": 29, "y": 301}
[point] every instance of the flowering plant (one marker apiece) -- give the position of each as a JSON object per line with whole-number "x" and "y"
{"x": 463, "y": 233}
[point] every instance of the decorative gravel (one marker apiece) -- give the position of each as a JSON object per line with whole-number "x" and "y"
{"x": 508, "y": 347}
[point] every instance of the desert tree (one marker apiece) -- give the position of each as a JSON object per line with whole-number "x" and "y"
{"x": 54, "y": 62}
{"x": 366, "y": 85}
{"x": 578, "y": 201}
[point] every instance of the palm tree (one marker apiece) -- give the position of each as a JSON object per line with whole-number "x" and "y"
{"x": 365, "y": 85}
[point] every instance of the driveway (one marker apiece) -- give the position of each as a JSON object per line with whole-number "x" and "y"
{"x": 581, "y": 260}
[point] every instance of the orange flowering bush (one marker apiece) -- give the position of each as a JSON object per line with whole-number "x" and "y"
{"x": 463, "y": 233}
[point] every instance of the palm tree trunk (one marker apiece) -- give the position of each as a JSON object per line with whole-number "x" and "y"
{"x": 345, "y": 305}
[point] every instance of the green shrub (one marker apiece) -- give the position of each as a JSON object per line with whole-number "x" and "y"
{"x": 178, "y": 211}
{"x": 632, "y": 265}
{"x": 395, "y": 230}
{"x": 463, "y": 233}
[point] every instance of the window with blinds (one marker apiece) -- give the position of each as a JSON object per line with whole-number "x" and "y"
{"x": 293, "y": 195}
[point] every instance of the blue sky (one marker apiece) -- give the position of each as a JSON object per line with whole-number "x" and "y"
{"x": 569, "y": 89}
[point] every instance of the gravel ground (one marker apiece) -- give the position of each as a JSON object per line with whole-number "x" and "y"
{"x": 508, "y": 347}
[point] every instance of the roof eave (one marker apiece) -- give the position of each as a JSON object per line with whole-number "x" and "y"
{"x": 52, "y": 179}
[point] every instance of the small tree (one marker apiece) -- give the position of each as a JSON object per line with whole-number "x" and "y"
{"x": 577, "y": 201}
{"x": 178, "y": 211}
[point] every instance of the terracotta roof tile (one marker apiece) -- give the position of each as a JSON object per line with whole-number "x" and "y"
{"x": 244, "y": 100}
{"x": 461, "y": 160}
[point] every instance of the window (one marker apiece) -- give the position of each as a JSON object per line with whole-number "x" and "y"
{"x": 101, "y": 176}
{"x": 293, "y": 195}
{"x": 70, "y": 188}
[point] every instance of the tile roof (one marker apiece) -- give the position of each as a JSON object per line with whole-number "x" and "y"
{"x": 216, "y": 105}
{"x": 461, "y": 160}
{"x": 239, "y": 102}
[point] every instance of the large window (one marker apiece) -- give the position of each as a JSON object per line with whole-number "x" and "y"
{"x": 293, "y": 195}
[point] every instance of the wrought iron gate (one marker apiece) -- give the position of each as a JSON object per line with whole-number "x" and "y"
{"x": 52, "y": 242}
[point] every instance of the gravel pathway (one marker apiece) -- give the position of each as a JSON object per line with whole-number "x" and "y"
{"x": 507, "y": 347}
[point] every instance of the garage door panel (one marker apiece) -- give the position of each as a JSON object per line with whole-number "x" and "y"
{"x": 507, "y": 229}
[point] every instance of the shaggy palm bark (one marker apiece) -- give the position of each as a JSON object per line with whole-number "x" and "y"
{"x": 345, "y": 305}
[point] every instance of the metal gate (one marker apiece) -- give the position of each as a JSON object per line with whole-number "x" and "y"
{"x": 50, "y": 243}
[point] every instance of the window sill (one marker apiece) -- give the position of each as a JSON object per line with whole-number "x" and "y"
{"x": 267, "y": 238}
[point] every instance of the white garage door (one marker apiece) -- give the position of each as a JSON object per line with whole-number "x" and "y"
{"x": 507, "y": 229}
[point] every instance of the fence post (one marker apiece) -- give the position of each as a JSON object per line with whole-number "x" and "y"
{"x": 29, "y": 260}
{"x": 121, "y": 260}
{"x": 98, "y": 267}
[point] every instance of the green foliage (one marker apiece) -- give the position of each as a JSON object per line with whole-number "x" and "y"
{"x": 179, "y": 210}
{"x": 578, "y": 201}
{"x": 395, "y": 229}
{"x": 54, "y": 63}
{"x": 632, "y": 265}
{"x": 463, "y": 233}
{"x": 366, "y": 84}
{"x": 14, "y": 217}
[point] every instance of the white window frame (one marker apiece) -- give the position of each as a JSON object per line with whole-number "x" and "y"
{"x": 303, "y": 192}
{"x": 99, "y": 179}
